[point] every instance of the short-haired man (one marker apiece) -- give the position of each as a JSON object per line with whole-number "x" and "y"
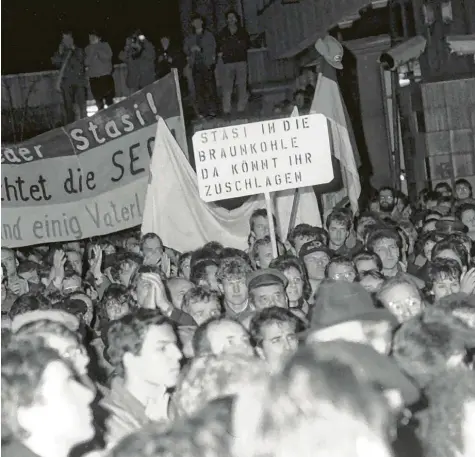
{"x": 201, "y": 304}
{"x": 233, "y": 44}
{"x": 259, "y": 225}
{"x": 45, "y": 410}
{"x": 155, "y": 253}
{"x": 341, "y": 268}
{"x": 232, "y": 275}
{"x": 339, "y": 224}
{"x": 143, "y": 349}
{"x": 274, "y": 334}
{"x": 75, "y": 261}
{"x": 386, "y": 243}
{"x": 221, "y": 335}
{"x": 152, "y": 249}
{"x": 267, "y": 288}
{"x": 16, "y": 284}
{"x": 463, "y": 189}
{"x": 443, "y": 278}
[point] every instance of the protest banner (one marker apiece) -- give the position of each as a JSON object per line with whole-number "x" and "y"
{"x": 263, "y": 157}
{"x": 90, "y": 177}
{"x": 174, "y": 210}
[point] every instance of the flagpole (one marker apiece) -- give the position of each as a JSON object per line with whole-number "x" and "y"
{"x": 270, "y": 218}
{"x": 293, "y": 212}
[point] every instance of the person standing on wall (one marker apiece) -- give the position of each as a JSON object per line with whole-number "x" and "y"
{"x": 139, "y": 56}
{"x": 99, "y": 70}
{"x": 71, "y": 80}
{"x": 233, "y": 44}
{"x": 200, "y": 50}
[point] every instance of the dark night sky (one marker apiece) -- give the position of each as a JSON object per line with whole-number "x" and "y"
{"x": 31, "y": 29}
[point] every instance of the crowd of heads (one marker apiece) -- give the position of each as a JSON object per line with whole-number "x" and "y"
{"x": 355, "y": 339}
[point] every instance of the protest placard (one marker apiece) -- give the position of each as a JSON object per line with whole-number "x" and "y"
{"x": 262, "y": 157}
{"x": 90, "y": 177}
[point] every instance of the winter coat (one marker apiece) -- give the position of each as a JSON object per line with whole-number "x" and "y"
{"x": 140, "y": 67}
{"x": 98, "y": 59}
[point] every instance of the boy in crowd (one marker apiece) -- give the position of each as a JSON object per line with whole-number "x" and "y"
{"x": 143, "y": 349}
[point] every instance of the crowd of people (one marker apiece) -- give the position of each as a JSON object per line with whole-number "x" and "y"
{"x": 195, "y": 61}
{"x": 357, "y": 340}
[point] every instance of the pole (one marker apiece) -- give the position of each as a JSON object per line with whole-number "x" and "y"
{"x": 293, "y": 212}
{"x": 270, "y": 218}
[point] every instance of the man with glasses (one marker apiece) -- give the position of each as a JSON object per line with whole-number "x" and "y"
{"x": 316, "y": 257}
{"x": 341, "y": 268}
{"x": 401, "y": 297}
{"x": 387, "y": 200}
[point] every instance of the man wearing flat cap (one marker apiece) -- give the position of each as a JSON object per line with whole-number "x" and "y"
{"x": 267, "y": 288}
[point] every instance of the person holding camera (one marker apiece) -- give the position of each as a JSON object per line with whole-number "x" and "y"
{"x": 71, "y": 80}
{"x": 99, "y": 70}
{"x": 168, "y": 57}
{"x": 200, "y": 50}
{"x": 139, "y": 56}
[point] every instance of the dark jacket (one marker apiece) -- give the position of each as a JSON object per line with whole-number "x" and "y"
{"x": 167, "y": 59}
{"x": 233, "y": 46}
{"x": 207, "y": 45}
{"x": 75, "y": 71}
{"x": 140, "y": 65}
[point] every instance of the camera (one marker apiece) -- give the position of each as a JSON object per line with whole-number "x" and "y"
{"x": 403, "y": 53}
{"x": 461, "y": 44}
